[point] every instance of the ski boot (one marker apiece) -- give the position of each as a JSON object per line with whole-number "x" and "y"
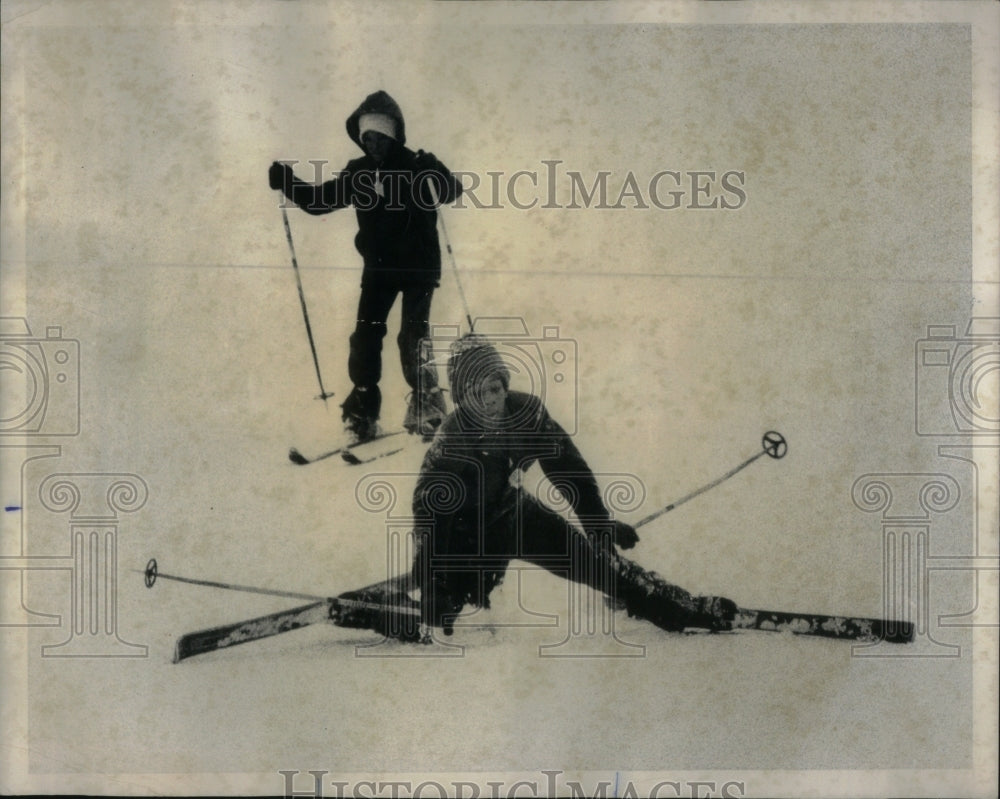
{"x": 360, "y": 414}
{"x": 425, "y": 411}
{"x": 715, "y": 613}
{"x": 648, "y": 596}
{"x": 401, "y": 622}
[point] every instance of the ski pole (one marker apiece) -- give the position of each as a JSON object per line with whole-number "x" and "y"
{"x": 451, "y": 255}
{"x": 152, "y": 573}
{"x": 305, "y": 314}
{"x": 773, "y": 445}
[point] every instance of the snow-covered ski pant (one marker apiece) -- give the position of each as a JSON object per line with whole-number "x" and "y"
{"x": 458, "y": 568}
{"x": 364, "y": 364}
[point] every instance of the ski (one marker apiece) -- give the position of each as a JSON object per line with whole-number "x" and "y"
{"x": 844, "y": 627}
{"x": 299, "y": 459}
{"x": 373, "y": 450}
{"x": 383, "y": 607}
{"x": 396, "y": 615}
{"x": 395, "y": 621}
{"x": 227, "y": 635}
{"x": 388, "y": 607}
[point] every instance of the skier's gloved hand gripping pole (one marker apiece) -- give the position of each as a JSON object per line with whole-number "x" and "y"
{"x": 773, "y": 445}
{"x": 277, "y": 177}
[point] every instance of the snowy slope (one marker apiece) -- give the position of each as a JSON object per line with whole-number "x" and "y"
{"x": 781, "y": 534}
{"x": 151, "y": 237}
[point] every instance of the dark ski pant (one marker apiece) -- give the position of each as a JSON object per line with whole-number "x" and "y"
{"x": 464, "y": 569}
{"x": 364, "y": 364}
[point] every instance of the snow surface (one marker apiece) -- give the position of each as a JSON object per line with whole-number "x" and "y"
{"x": 226, "y": 504}
{"x": 154, "y": 241}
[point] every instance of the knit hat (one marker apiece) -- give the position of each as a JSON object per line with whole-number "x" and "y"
{"x": 380, "y": 123}
{"x": 474, "y": 358}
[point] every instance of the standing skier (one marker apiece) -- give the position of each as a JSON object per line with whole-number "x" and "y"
{"x": 478, "y": 520}
{"x": 395, "y": 193}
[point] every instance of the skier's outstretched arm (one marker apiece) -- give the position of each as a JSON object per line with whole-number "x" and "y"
{"x": 315, "y": 199}
{"x": 571, "y": 474}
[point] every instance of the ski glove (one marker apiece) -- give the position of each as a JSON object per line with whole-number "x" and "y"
{"x": 423, "y": 161}
{"x": 279, "y": 175}
{"x": 622, "y": 535}
{"x": 625, "y": 535}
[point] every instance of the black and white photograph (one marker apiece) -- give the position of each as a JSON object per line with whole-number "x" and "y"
{"x": 499, "y": 399}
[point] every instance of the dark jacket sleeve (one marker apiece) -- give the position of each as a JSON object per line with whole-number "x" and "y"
{"x": 569, "y": 472}
{"x": 325, "y": 197}
{"x": 431, "y": 170}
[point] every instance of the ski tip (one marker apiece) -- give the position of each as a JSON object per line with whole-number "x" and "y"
{"x": 350, "y": 457}
{"x": 297, "y": 457}
{"x": 895, "y": 632}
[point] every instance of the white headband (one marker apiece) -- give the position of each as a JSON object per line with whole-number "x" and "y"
{"x": 380, "y": 123}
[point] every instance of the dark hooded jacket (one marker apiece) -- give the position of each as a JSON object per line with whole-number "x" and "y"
{"x": 397, "y": 224}
{"x": 464, "y": 492}
{"x": 483, "y": 461}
